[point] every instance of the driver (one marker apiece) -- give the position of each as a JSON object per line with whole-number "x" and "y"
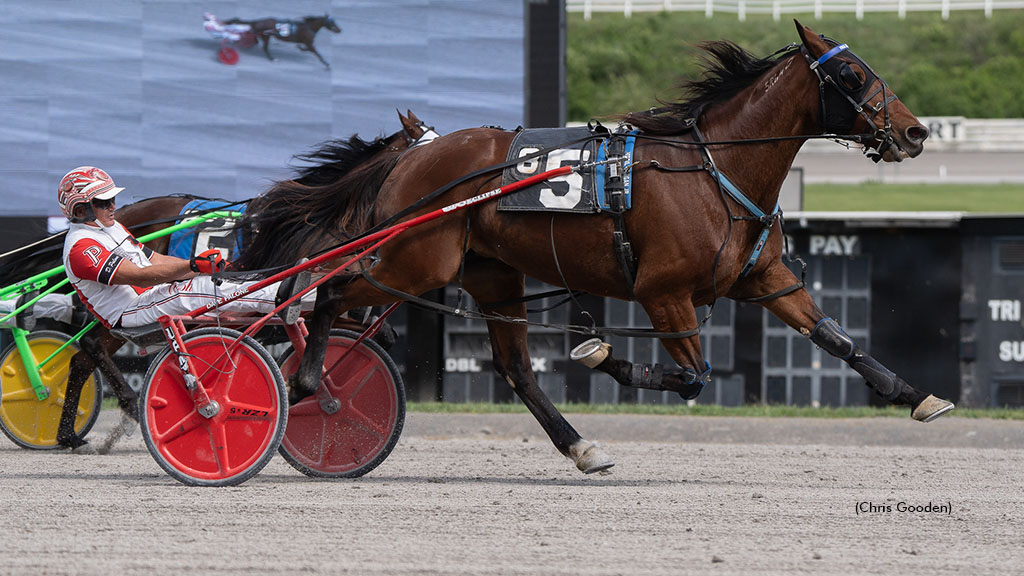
{"x": 125, "y": 284}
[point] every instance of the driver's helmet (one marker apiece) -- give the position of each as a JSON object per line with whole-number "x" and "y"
{"x": 81, "y": 185}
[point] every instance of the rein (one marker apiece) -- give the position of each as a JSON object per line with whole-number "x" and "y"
{"x": 476, "y": 315}
{"x": 193, "y": 214}
{"x": 825, "y": 68}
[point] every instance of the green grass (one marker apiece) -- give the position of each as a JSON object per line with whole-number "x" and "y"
{"x": 877, "y": 197}
{"x": 749, "y": 411}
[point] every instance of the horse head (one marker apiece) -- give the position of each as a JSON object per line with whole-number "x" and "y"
{"x": 330, "y": 24}
{"x": 855, "y": 100}
{"x": 416, "y": 130}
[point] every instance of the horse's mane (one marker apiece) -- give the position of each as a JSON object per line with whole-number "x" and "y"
{"x": 728, "y": 69}
{"x": 327, "y": 203}
{"x": 336, "y": 158}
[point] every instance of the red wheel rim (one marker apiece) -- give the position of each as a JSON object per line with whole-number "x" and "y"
{"x": 353, "y": 436}
{"x": 237, "y": 437}
{"x": 228, "y": 55}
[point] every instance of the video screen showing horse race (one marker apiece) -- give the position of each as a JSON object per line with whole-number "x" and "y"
{"x": 566, "y": 287}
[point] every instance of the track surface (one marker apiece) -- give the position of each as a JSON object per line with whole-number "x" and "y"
{"x": 476, "y": 494}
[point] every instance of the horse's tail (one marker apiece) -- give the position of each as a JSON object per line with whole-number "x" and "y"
{"x": 294, "y": 220}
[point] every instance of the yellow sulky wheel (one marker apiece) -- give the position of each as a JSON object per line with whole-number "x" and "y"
{"x": 30, "y": 422}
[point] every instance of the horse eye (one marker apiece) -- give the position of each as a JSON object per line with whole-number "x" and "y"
{"x": 850, "y": 79}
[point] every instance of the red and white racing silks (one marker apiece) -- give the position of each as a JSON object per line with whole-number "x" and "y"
{"x": 92, "y": 255}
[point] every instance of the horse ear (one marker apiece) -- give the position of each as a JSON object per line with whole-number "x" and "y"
{"x": 412, "y": 117}
{"x": 810, "y": 39}
{"x": 401, "y": 118}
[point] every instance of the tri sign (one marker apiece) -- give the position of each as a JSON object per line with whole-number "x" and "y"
{"x": 1007, "y": 311}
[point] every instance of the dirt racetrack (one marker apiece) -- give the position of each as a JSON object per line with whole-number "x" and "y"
{"x": 488, "y": 494}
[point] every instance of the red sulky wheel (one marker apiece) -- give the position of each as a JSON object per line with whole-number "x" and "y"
{"x": 228, "y": 55}
{"x": 370, "y": 401}
{"x": 237, "y": 442}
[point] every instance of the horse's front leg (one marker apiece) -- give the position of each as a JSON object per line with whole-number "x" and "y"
{"x": 96, "y": 350}
{"x": 667, "y": 314}
{"x": 800, "y": 312}
{"x": 328, "y": 305}
{"x": 265, "y": 39}
{"x": 310, "y": 48}
{"x": 490, "y": 281}
{"x": 127, "y": 398}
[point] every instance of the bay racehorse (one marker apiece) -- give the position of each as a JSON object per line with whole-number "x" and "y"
{"x": 302, "y": 32}
{"x": 330, "y": 162}
{"x": 706, "y": 173}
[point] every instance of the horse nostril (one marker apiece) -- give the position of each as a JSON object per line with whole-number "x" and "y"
{"x": 917, "y": 134}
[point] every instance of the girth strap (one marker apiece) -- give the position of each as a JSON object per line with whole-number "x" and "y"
{"x": 768, "y": 219}
{"x": 726, "y": 185}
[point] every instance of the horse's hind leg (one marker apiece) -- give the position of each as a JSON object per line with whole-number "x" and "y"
{"x": 494, "y": 282}
{"x": 800, "y": 312}
{"x": 668, "y": 313}
{"x": 325, "y": 312}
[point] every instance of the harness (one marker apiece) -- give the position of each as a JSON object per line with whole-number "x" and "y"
{"x": 848, "y": 88}
{"x": 727, "y": 187}
{"x": 842, "y": 96}
{"x": 613, "y": 182}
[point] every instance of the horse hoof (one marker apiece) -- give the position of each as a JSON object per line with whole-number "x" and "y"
{"x": 591, "y": 353}
{"x": 931, "y": 408}
{"x": 589, "y": 457}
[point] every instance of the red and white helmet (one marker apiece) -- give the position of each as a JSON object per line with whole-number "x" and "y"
{"x": 83, "y": 184}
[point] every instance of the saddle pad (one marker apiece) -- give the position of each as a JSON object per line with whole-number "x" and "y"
{"x": 579, "y": 192}
{"x": 571, "y": 193}
{"x": 219, "y": 233}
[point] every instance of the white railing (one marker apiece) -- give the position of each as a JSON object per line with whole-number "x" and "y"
{"x": 960, "y": 134}
{"x": 777, "y": 8}
{"x": 949, "y": 133}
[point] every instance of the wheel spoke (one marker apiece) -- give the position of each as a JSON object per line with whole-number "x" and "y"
{"x": 352, "y": 383}
{"x": 364, "y": 421}
{"x": 188, "y": 423}
{"x": 307, "y": 407}
{"x": 221, "y": 450}
{"x": 221, "y": 373}
{"x": 19, "y": 395}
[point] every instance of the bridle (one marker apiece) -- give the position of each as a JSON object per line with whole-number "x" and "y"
{"x": 843, "y": 95}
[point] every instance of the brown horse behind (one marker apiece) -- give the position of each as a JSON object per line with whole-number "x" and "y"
{"x": 332, "y": 161}
{"x": 691, "y": 240}
{"x": 302, "y": 32}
